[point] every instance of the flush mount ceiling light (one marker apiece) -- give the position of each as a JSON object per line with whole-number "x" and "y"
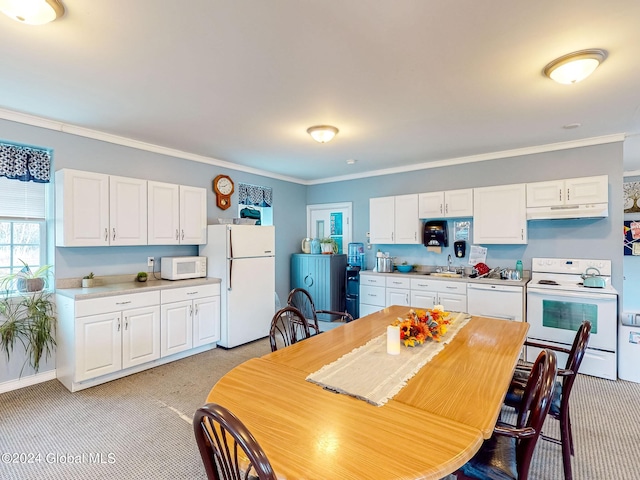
{"x": 576, "y": 66}
{"x": 322, "y": 133}
{"x": 32, "y": 12}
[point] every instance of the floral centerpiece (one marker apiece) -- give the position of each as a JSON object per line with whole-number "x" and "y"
{"x": 422, "y": 324}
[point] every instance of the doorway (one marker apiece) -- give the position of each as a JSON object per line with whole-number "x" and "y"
{"x": 331, "y": 220}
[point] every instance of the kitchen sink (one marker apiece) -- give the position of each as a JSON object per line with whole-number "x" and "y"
{"x": 445, "y": 274}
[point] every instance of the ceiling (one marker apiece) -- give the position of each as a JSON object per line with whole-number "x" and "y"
{"x": 407, "y": 82}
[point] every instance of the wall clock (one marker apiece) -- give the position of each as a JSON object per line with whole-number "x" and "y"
{"x": 223, "y": 188}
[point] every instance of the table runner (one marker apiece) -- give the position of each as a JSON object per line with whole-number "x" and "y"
{"x": 369, "y": 373}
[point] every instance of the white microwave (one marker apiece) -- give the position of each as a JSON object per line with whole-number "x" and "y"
{"x": 181, "y": 268}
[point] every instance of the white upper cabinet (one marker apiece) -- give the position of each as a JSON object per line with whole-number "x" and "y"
{"x": 570, "y": 191}
{"x": 447, "y": 204}
{"x": 82, "y": 208}
{"x": 94, "y": 209}
{"x": 407, "y": 223}
{"x": 500, "y": 215}
{"x": 177, "y": 214}
{"x": 164, "y": 213}
{"x": 381, "y": 220}
{"x": 127, "y": 211}
{"x": 394, "y": 220}
{"x": 193, "y": 215}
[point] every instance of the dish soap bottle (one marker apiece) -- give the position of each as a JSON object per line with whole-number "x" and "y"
{"x": 519, "y": 269}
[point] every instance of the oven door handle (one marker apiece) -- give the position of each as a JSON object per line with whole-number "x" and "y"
{"x": 564, "y": 293}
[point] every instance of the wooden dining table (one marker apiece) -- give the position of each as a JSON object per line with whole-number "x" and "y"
{"x": 434, "y": 425}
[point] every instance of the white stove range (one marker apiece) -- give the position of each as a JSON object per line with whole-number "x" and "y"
{"x": 558, "y": 302}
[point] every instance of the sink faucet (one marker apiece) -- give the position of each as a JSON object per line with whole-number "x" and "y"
{"x": 449, "y": 262}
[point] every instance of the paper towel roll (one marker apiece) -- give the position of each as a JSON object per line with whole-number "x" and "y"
{"x": 434, "y": 249}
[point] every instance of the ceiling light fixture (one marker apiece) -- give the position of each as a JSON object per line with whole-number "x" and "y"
{"x": 576, "y": 66}
{"x": 32, "y": 12}
{"x": 322, "y": 133}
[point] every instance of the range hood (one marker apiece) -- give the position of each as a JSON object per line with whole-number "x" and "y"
{"x": 587, "y": 210}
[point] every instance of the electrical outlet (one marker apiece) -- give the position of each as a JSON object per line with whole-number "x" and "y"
{"x": 149, "y": 261}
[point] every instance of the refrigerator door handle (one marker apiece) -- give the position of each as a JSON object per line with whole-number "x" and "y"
{"x": 229, "y": 271}
{"x": 229, "y": 243}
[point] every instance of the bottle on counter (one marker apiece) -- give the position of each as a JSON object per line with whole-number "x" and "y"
{"x": 519, "y": 269}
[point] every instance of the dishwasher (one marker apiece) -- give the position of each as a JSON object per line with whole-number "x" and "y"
{"x": 498, "y": 301}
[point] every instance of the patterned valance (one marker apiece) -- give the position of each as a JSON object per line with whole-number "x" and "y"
{"x": 255, "y": 195}
{"x": 25, "y": 163}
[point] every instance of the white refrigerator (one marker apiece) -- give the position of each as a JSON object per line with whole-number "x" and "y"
{"x": 243, "y": 257}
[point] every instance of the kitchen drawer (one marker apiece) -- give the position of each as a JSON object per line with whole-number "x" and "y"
{"x": 190, "y": 293}
{"x": 373, "y": 280}
{"x": 116, "y": 303}
{"x": 372, "y": 295}
{"x": 398, "y": 282}
{"x": 438, "y": 286}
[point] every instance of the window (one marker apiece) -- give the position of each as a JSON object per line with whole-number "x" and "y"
{"x": 24, "y": 175}
{"x": 254, "y": 202}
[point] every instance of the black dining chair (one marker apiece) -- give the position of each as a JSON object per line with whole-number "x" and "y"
{"x": 288, "y": 326}
{"x": 560, "y": 402}
{"x": 221, "y": 436}
{"x": 507, "y": 454}
{"x": 301, "y": 299}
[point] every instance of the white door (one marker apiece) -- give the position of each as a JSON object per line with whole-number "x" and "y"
{"x": 397, "y": 296}
{"x": 163, "y": 223}
{"x": 127, "y": 211}
{"x": 250, "y": 305}
{"x": 140, "y": 336}
{"x": 453, "y": 302}
{"x": 82, "y": 208}
{"x": 176, "y": 327}
{"x": 382, "y": 220}
{"x": 407, "y": 223}
{"x": 245, "y": 241}
{"x": 458, "y": 203}
{"x": 331, "y": 220}
{"x": 98, "y": 345}
{"x": 587, "y": 190}
{"x": 206, "y": 321}
{"x": 423, "y": 299}
{"x": 193, "y": 215}
{"x": 431, "y": 205}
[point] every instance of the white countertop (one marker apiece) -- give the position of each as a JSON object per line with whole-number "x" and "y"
{"x": 111, "y": 289}
{"x": 488, "y": 281}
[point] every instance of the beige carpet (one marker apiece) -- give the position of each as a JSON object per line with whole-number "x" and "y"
{"x": 138, "y": 427}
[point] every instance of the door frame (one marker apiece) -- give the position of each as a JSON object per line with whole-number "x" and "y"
{"x": 347, "y": 226}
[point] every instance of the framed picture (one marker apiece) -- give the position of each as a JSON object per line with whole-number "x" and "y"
{"x": 632, "y": 237}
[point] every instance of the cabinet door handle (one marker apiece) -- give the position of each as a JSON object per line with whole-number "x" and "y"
{"x": 308, "y": 283}
{"x": 126, "y": 323}
{"x": 452, "y": 288}
{"x": 192, "y": 293}
{"x": 183, "y": 234}
{"x": 446, "y": 209}
{"x": 177, "y": 234}
{"x": 522, "y": 234}
{"x": 118, "y": 324}
{"x": 568, "y": 194}
{"x": 123, "y": 303}
{"x": 440, "y": 208}
{"x": 196, "y": 309}
{"x": 560, "y": 194}
{"x": 106, "y": 234}
{"x": 114, "y": 233}
{"x": 191, "y": 311}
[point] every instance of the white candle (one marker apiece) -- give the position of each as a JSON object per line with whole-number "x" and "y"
{"x": 393, "y": 340}
{"x": 439, "y": 307}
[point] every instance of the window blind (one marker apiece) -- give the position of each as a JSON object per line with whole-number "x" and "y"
{"x": 24, "y": 200}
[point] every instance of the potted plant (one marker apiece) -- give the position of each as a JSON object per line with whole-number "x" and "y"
{"x": 141, "y": 277}
{"x": 27, "y": 280}
{"x": 29, "y": 319}
{"x": 88, "y": 281}
{"x": 329, "y": 245}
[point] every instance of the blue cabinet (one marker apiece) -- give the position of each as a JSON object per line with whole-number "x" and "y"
{"x": 323, "y": 276}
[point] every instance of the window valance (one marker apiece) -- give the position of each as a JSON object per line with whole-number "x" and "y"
{"x": 255, "y": 195}
{"x": 25, "y": 163}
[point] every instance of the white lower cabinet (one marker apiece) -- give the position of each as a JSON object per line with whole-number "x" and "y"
{"x": 190, "y": 318}
{"x": 427, "y": 293}
{"x": 397, "y": 291}
{"x": 101, "y": 339}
